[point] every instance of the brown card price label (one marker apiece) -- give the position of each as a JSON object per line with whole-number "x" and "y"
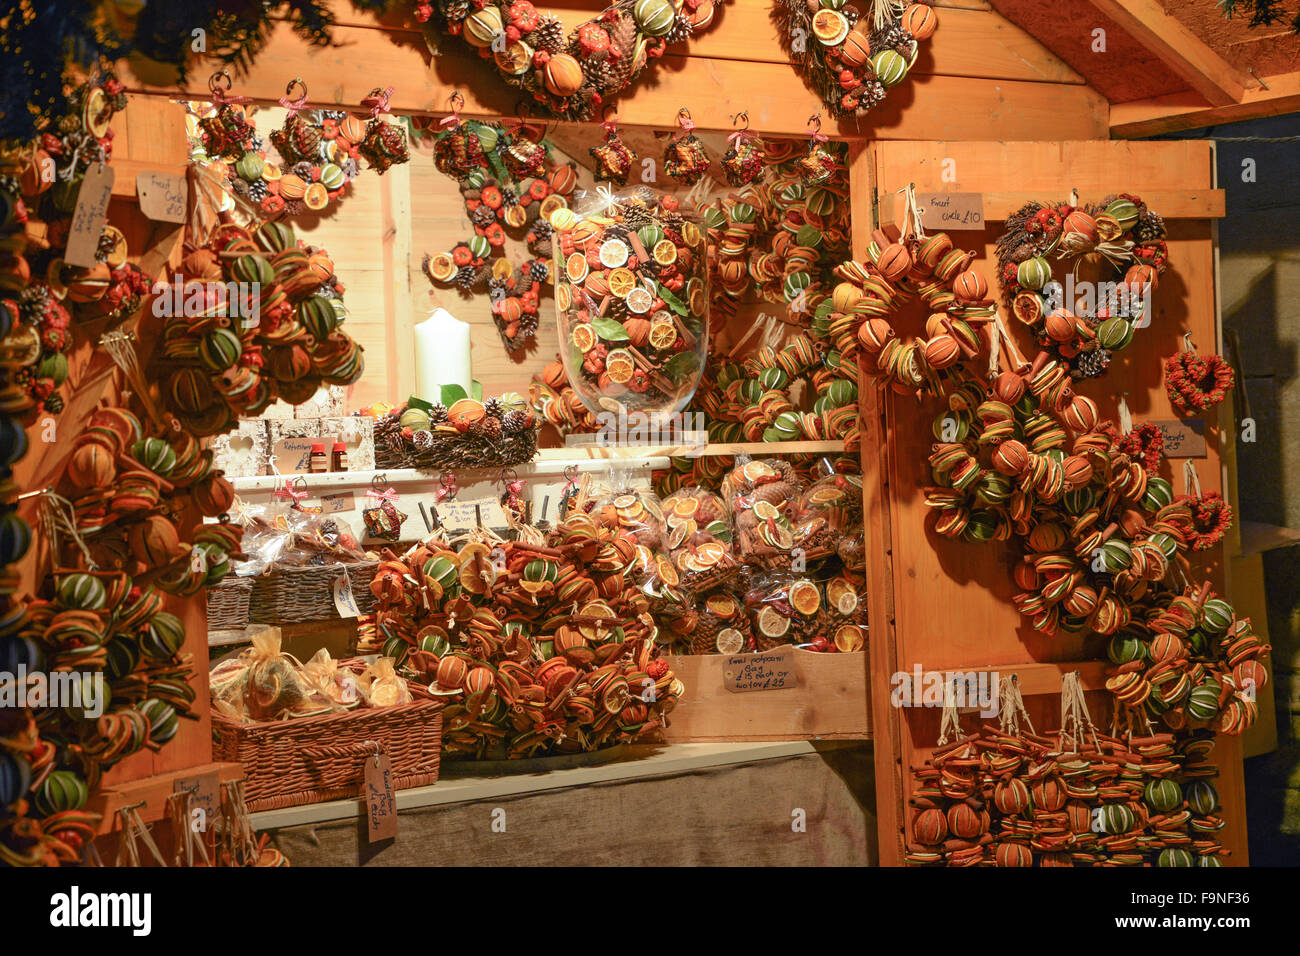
{"x": 1184, "y": 439}
{"x": 293, "y": 455}
{"x": 88, "y": 218}
{"x": 768, "y": 670}
{"x": 465, "y": 515}
{"x": 951, "y": 211}
{"x": 344, "y": 600}
{"x": 343, "y": 501}
{"x": 162, "y": 195}
{"x": 381, "y": 807}
{"x": 205, "y": 796}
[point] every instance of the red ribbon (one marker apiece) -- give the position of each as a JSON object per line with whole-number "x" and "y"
{"x": 448, "y": 489}
{"x": 378, "y": 100}
{"x": 293, "y": 106}
{"x": 288, "y": 492}
{"x": 388, "y": 494}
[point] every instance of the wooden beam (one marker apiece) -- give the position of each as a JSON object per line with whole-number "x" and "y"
{"x": 1183, "y": 111}
{"x": 945, "y": 107}
{"x": 1204, "y": 70}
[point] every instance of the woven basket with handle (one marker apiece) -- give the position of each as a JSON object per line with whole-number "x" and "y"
{"x": 293, "y": 762}
{"x": 291, "y": 595}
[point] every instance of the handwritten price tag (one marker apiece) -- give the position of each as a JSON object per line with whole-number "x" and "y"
{"x": 293, "y": 455}
{"x": 773, "y": 670}
{"x": 381, "y": 807}
{"x": 1184, "y": 439}
{"x": 205, "y": 790}
{"x": 343, "y": 598}
{"x": 343, "y": 501}
{"x": 464, "y": 515}
{"x": 163, "y": 196}
{"x": 88, "y": 218}
{"x": 948, "y": 211}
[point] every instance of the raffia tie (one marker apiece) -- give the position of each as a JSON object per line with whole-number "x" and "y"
{"x": 1125, "y": 416}
{"x": 57, "y": 517}
{"x": 185, "y": 840}
{"x": 1076, "y": 721}
{"x": 133, "y": 829}
{"x": 1011, "y": 706}
{"x": 912, "y": 212}
{"x": 949, "y": 725}
{"x": 882, "y": 11}
{"x": 120, "y": 348}
{"x": 1191, "y": 480}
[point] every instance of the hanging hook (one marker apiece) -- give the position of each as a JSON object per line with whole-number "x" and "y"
{"x": 296, "y": 81}
{"x": 742, "y": 115}
{"x": 815, "y": 123}
{"x": 213, "y": 81}
{"x": 604, "y": 115}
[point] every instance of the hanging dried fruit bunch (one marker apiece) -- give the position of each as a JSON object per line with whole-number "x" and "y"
{"x": 497, "y": 433}
{"x": 220, "y": 359}
{"x": 852, "y": 61}
{"x": 613, "y": 157}
{"x": 521, "y": 672}
{"x": 571, "y": 76}
{"x": 1083, "y": 323}
{"x": 1023, "y": 799}
{"x": 744, "y": 161}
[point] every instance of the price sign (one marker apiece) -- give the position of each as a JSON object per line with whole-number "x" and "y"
{"x": 770, "y": 670}
{"x": 1184, "y": 439}
{"x": 343, "y": 501}
{"x": 162, "y": 195}
{"x": 344, "y": 600}
{"x": 381, "y": 807}
{"x": 951, "y": 211}
{"x": 463, "y": 515}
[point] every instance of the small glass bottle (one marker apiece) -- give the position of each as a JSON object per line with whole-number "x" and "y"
{"x": 340, "y": 462}
{"x": 319, "y": 462}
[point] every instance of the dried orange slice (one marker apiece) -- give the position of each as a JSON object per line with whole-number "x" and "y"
{"x": 516, "y": 216}
{"x": 118, "y": 252}
{"x": 729, "y": 641}
{"x": 562, "y": 219}
{"x": 849, "y": 638}
{"x": 709, "y": 554}
{"x": 692, "y": 234}
{"x": 271, "y": 172}
{"x": 621, "y": 282}
{"x": 613, "y": 253}
{"x": 316, "y": 197}
{"x": 639, "y": 300}
{"x": 619, "y": 366}
{"x": 665, "y": 252}
{"x": 501, "y": 269}
{"x": 563, "y": 296}
{"x": 772, "y": 622}
{"x": 825, "y": 496}
{"x": 576, "y": 267}
{"x": 765, "y": 510}
{"x": 805, "y": 598}
{"x": 663, "y": 334}
{"x": 667, "y": 573}
{"x": 723, "y": 605}
{"x": 830, "y": 27}
{"x": 442, "y": 267}
{"x": 595, "y": 631}
{"x": 584, "y": 337}
{"x": 842, "y": 596}
{"x": 96, "y": 113}
{"x": 551, "y": 203}
{"x": 624, "y": 501}
{"x": 476, "y": 569}
{"x": 686, "y": 506}
{"x": 695, "y": 298}
{"x": 679, "y": 534}
{"x": 756, "y": 470}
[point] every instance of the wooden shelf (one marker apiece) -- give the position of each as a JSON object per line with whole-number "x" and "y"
{"x": 756, "y": 449}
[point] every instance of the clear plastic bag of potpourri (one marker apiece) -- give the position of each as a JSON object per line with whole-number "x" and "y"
{"x": 763, "y": 496}
{"x": 632, "y": 299}
{"x": 700, "y": 540}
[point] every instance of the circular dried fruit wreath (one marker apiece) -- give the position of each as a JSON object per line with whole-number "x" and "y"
{"x": 1083, "y": 323}
{"x": 940, "y": 275}
{"x": 852, "y": 60}
{"x": 571, "y": 75}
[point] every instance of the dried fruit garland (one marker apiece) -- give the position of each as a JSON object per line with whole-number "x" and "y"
{"x": 1197, "y": 383}
{"x": 1121, "y": 232}
{"x": 851, "y": 60}
{"x": 569, "y": 76}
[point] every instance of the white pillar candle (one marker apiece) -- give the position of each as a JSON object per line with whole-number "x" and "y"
{"x": 441, "y": 355}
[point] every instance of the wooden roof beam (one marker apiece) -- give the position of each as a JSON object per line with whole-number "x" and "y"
{"x": 1183, "y": 111}
{"x": 1204, "y": 70}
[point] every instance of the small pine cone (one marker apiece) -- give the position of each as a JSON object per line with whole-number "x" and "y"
{"x": 483, "y": 216}
{"x": 873, "y": 93}
{"x": 493, "y": 407}
{"x": 54, "y": 404}
{"x": 488, "y": 427}
{"x": 549, "y": 34}
{"x": 681, "y": 30}
{"x": 539, "y": 271}
{"x": 1149, "y": 228}
{"x": 466, "y": 277}
{"x": 438, "y": 413}
{"x": 294, "y": 207}
{"x": 515, "y": 421}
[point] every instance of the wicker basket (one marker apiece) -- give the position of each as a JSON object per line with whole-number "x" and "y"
{"x": 228, "y": 603}
{"x": 294, "y": 595}
{"x": 289, "y": 763}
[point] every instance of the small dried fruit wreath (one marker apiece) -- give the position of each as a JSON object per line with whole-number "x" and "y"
{"x": 1082, "y": 323}
{"x": 569, "y": 76}
{"x": 1196, "y": 383}
{"x": 852, "y": 60}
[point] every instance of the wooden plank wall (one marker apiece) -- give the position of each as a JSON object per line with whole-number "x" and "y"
{"x": 949, "y": 602}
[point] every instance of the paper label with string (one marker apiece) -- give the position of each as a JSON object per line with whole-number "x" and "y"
{"x": 163, "y": 196}
{"x": 205, "y": 795}
{"x": 88, "y": 218}
{"x": 948, "y": 212}
{"x": 343, "y": 501}
{"x": 344, "y": 600}
{"x": 381, "y": 807}
{"x": 1184, "y": 438}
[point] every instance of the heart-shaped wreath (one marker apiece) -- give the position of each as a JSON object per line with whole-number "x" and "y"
{"x": 1082, "y": 323}
{"x": 1212, "y": 517}
{"x": 1196, "y": 383}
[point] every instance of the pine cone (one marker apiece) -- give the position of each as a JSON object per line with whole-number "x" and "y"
{"x": 438, "y": 413}
{"x": 1149, "y": 228}
{"x": 493, "y": 407}
{"x": 515, "y": 421}
{"x": 487, "y": 427}
{"x": 549, "y": 34}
